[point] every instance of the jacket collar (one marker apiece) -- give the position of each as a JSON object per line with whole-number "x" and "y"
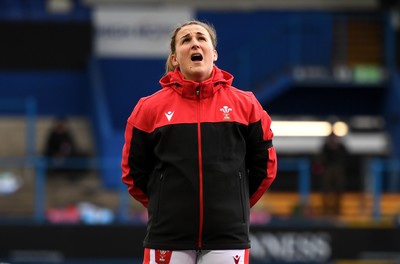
{"x": 187, "y": 88}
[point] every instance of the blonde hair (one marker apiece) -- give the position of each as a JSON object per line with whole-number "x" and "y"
{"x": 210, "y": 29}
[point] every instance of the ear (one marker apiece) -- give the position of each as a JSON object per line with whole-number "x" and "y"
{"x": 174, "y": 61}
{"x": 215, "y": 55}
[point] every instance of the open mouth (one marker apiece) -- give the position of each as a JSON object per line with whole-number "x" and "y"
{"x": 197, "y": 57}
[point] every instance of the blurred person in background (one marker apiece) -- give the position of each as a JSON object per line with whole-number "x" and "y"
{"x": 333, "y": 158}
{"x": 60, "y": 145}
{"x": 198, "y": 155}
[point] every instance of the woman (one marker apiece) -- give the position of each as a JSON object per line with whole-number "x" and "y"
{"x": 198, "y": 154}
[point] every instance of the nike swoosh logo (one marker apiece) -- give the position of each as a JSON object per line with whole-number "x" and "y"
{"x": 169, "y": 115}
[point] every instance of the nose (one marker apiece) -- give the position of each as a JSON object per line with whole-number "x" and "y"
{"x": 195, "y": 44}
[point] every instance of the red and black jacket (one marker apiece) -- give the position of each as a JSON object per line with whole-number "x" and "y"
{"x": 198, "y": 156}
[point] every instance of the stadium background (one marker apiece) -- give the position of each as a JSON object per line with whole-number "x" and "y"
{"x": 304, "y": 60}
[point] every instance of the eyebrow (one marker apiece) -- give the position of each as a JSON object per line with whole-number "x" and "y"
{"x": 188, "y": 34}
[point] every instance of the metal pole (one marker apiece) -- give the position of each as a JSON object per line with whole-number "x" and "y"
{"x": 40, "y": 189}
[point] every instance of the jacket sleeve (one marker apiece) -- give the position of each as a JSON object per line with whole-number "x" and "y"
{"x": 136, "y": 157}
{"x": 261, "y": 156}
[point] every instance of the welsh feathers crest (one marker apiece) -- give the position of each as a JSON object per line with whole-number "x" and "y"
{"x": 226, "y": 110}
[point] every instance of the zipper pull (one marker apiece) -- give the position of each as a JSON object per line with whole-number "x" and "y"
{"x": 198, "y": 91}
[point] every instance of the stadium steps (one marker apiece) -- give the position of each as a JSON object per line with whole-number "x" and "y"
{"x": 365, "y": 43}
{"x": 355, "y": 207}
{"x": 14, "y": 129}
{"x": 61, "y": 192}
{"x": 21, "y": 203}
{"x": 358, "y": 41}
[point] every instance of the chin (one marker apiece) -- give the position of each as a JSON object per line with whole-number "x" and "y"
{"x": 200, "y": 73}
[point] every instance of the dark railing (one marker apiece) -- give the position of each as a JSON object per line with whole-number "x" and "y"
{"x": 378, "y": 168}
{"x": 41, "y": 165}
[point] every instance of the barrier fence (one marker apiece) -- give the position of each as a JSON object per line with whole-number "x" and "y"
{"x": 379, "y": 168}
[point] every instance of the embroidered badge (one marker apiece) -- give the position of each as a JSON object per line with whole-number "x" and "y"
{"x": 226, "y": 110}
{"x": 163, "y": 256}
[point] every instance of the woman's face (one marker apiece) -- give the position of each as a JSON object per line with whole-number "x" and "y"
{"x": 195, "y": 53}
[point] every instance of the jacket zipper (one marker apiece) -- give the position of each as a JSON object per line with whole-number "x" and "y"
{"x": 200, "y": 240}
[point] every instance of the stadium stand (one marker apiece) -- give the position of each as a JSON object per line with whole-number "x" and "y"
{"x": 301, "y": 60}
